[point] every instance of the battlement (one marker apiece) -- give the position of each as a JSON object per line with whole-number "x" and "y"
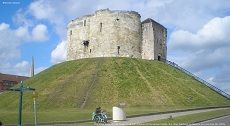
{"x": 103, "y": 11}
{"x": 117, "y": 11}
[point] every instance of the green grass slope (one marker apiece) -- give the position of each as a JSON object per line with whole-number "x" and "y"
{"x": 106, "y": 82}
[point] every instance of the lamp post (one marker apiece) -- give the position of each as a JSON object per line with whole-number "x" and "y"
{"x": 21, "y": 89}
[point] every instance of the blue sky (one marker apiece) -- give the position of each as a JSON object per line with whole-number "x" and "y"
{"x": 198, "y": 32}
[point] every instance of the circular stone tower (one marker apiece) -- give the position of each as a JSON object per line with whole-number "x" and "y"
{"x": 105, "y": 34}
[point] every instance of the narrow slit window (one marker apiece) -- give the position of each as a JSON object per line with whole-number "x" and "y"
{"x": 90, "y": 50}
{"x": 84, "y": 22}
{"x": 70, "y": 32}
{"x": 100, "y": 27}
{"x": 118, "y": 50}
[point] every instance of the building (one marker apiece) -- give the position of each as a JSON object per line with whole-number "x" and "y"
{"x": 154, "y": 37}
{"x": 116, "y": 34}
{"x": 7, "y": 81}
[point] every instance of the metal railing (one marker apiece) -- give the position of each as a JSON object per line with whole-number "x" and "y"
{"x": 221, "y": 92}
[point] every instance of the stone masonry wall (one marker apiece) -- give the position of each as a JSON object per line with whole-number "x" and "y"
{"x": 153, "y": 40}
{"x": 147, "y": 41}
{"x": 108, "y": 34}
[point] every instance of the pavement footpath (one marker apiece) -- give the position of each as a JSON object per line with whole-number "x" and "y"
{"x": 149, "y": 118}
{"x": 220, "y": 121}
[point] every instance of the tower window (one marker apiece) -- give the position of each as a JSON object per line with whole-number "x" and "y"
{"x": 100, "y": 27}
{"x": 90, "y": 50}
{"x": 117, "y": 19}
{"x": 118, "y": 50}
{"x": 70, "y": 32}
{"x": 86, "y": 43}
{"x": 159, "y": 58}
{"x": 84, "y": 22}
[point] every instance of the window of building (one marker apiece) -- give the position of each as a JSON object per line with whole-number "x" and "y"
{"x": 86, "y": 43}
{"x": 118, "y": 50}
{"x": 90, "y": 50}
{"x": 100, "y": 27}
{"x": 159, "y": 58}
{"x": 84, "y": 22}
{"x": 70, "y": 32}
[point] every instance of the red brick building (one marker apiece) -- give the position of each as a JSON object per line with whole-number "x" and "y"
{"x": 7, "y": 80}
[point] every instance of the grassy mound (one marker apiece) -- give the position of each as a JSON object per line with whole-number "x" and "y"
{"x": 106, "y": 82}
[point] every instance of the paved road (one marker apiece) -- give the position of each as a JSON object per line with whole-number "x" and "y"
{"x": 222, "y": 121}
{"x": 145, "y": 119}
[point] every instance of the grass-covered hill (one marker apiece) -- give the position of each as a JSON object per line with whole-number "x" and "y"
{"x": 106, "y": 82}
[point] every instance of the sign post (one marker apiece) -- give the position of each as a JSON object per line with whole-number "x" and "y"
{"x": 21, "y": 89}
{"x": 35, "y": 108}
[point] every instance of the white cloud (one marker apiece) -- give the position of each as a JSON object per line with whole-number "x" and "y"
{"x": 59, "y": 53}
{"x": 29, "y": 30}
{"x": 189, "y": 14}
{"x": 8, "y": 44}
{"x": 4, "y": 26}
{"x": 22, "y": 33}
{"x": 213, "y": 34}
{"x": 22, "y": 68}
{"x": 41, "y": 9}
{"x": 179, "y": 14}
{"x": 10, "y": 40}
{"x": 210, "y": 43}
{"x": 9, "y": 53}
{"x": 22, "y": 64}
{"x": 205, "y": 51}
{"x": 51, "y": 11}
{"x": 40, "y": 33}
{"x": 221, "y": 79}
{"x": 22, "y": 19}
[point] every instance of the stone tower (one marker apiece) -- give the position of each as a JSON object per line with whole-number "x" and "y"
{"x": 154, "y": 37}
{"x": 105, "y": 34}
{"x": 109, "y": 33}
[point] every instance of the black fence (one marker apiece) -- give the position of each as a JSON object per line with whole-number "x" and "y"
{"x": 199, "y": 79}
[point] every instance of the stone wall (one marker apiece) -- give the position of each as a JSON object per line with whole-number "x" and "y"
{"x": 153, "y": 40}
{"x": 147, "y": 41}
{"x": 109, "y": 33}
{"x": 105, "y": 34}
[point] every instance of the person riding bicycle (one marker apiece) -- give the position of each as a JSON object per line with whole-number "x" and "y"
{"x": 98, "y": 111}
{"x": 100, "y": 115}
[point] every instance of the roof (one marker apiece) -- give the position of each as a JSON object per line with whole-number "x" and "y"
{"x": 151, "y": 20}
{"x": 12, "y": 77}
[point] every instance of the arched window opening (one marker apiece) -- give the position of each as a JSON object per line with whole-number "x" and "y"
{"x": 159, "y": 58}
{"x": 100, "y": 27}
